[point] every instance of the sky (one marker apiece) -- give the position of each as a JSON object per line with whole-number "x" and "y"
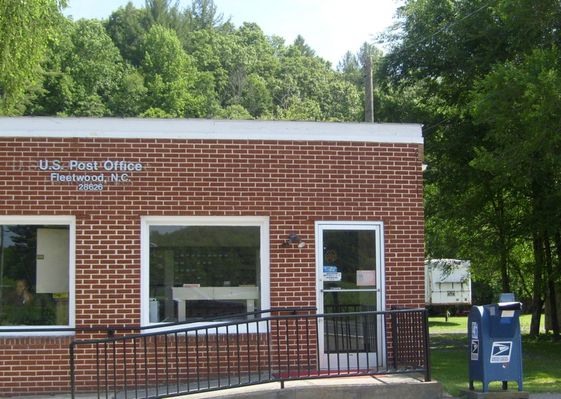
{"x": 330, "y": 27}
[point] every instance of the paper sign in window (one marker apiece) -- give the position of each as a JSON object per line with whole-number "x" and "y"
{"x": 52, "y": 260}
{"x": 332, "y": 276}
{"x": 365, "y": 278}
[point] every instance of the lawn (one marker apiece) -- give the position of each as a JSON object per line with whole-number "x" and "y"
{"x": 541, "y": 363}
{"x": 458, "y": 324}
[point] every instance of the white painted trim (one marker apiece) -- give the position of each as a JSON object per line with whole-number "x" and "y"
{"x": 200, "y": 129}
{"x": 147, "y": 221}
{"x": 380, "y": 250}
{"x": 378, "y": 227}
{"x": 31, "y": 333}
{"x": 69, "y": 221}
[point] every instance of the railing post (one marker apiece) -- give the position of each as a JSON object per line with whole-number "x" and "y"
{"x": 72, "y": 376}
{"x": 318, "y": 359}
{"x": 426, "y": 344}
{"x": 394, "y": 339}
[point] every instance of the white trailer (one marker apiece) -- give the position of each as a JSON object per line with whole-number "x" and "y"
{"x": 447, "y": 282}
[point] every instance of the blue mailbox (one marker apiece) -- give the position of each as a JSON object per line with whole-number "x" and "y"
{"x": 495, "y": 343}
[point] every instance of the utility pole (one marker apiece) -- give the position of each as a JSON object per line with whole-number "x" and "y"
{"x": 368, "y": 95}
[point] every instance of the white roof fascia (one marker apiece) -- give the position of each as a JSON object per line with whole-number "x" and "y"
{"x": 137, "y": 128}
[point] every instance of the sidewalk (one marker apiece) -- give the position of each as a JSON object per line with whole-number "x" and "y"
{"x": 532, "y": 396}
{"x": 387, "y": 387}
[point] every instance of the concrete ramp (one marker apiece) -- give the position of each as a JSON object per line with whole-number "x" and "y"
{"x": 383, "y": 387}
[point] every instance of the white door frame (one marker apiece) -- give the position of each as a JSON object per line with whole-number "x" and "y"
{"x": 378, "y": 227}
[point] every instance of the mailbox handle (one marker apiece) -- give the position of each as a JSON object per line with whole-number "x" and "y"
{"x": 510, "y": 306}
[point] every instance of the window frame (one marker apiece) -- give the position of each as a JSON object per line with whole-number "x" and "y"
{"x": 64, "y": 330}
{"x": 147, "y": 221}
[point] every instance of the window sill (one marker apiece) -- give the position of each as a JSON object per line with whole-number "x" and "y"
{"x": 39, "y": 331}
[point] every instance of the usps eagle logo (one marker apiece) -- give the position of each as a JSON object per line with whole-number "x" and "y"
{"x": 500, "y": 352}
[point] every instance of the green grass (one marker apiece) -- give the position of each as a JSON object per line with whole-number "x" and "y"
{"x": 449, "y": 357}
{"x": 458, "y": 324}
{"x": 454, "y": 325}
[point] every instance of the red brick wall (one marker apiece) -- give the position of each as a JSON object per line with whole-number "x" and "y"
{"x": 294, "y": 183}
{"x": 33, "y": 365}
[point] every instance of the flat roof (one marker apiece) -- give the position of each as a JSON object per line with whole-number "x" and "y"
{"x": 139, "y": 128}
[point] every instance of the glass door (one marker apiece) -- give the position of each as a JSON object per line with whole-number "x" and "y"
{"x": 350, "y": 282}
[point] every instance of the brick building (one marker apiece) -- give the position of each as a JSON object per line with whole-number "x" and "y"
{"x": 135, "y": 222}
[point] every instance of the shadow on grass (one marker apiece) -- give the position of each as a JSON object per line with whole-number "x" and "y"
{"x": 434, "y": 323}
{"x": 541, "y": 370}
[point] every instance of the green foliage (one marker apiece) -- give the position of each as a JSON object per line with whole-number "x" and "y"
{"x": 163, "y": 61}
{"x": 205, "y": 15}
{"x": 520, "y": 103}
{"x": 351, "y": 69}
{"x": 301, "y": 110}
{"x": 129, "y": 99}
{"x": 86, "y": 75}
{"x": 156, "y": 113}
{"x": 342, "y": 102}
{"x": 127, "y": 27}
{"x": 95, "y": 63}
{"x": 235, "y": 111}
{"x": 169, "y": 73}
{"x": 256, "y": 97}
{"x": 26, "y": 29}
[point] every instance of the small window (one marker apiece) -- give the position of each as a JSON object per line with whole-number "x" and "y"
{"x": 199, "y": 271}
{"x": 34, "y": 275}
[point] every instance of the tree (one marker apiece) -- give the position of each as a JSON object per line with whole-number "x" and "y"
{"x": 162, "y": 12}
{"x": 342, "y": 101}
{"x": 302, "y": 47}
{"x": 300, "y": 76}
{"x": 204, "y": 14}
{"x": 256, "y": 98}
{"x": 235, "y": 111}
{"x": 301, "y": 110}
{"x": 127, "y": 27}
{"x": 351, "y": 70}
{"x": 129, "y": 98}
{"x": 170, "y": 75}
{"x": 165, "y": 62}
{"x": 520, "y": 102}
{"x": 26, "y": 28}
{"x": 86, "y": 71}
{"x": 215, "y": 53}
{"x": 95, "y": 63}
{"x": 439, "y": 49}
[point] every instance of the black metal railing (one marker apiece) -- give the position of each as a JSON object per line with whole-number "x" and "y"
{"x": 278, "y": 345}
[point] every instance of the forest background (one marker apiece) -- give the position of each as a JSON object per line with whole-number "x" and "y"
{"x": 482, "y": 76}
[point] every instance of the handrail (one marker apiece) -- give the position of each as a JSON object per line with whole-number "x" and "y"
{"x": 135, "y": 327}
{"x": 223, "y": 325}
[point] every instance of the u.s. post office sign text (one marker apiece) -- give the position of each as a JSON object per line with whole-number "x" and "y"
{"x": 89, "y": 175}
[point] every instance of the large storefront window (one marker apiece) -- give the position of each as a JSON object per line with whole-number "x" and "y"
{"x": 199, "y": 271}
{"x": 34, "y": 275}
